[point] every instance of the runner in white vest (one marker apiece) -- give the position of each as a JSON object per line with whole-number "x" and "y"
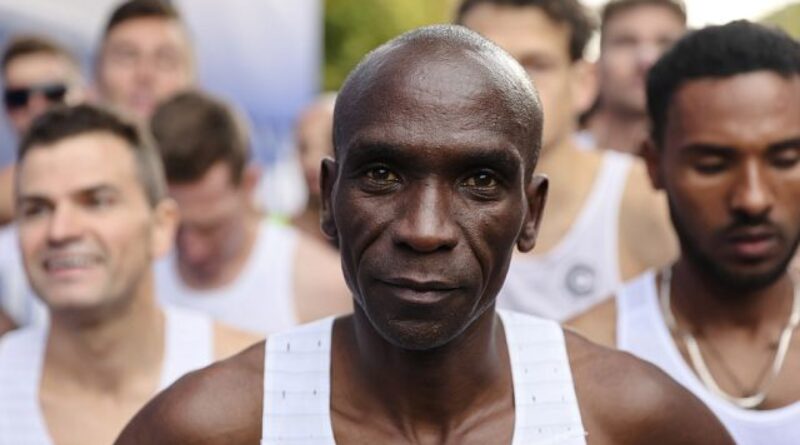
{"x": 251, "y": 272}
{"x": 92, "y": 218}
{"x": 722, "y": 321}
{"x": 609, "y": 224}
{"x": 436, "y": 137}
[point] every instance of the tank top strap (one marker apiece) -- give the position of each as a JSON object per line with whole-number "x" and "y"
{"x": 546, "y": 407}
{"x": 188, "y": 343}
{"x": 297, "y": 368}
{"x": 21, "y": 361}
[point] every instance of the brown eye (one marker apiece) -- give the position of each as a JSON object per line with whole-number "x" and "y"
{"x": 382, "y": 175}
{"x": 481, "y": 180}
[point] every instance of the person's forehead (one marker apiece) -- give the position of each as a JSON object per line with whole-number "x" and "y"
{"x": 147, "y": 32}
{"x": 645, "y": 18}
{"x": 39, "y": 67}
{"x": 755, "y": 108}
{"x": 520, "y": 30}
{"x": 78, "y": 163}
{"x": 209, "y": 198}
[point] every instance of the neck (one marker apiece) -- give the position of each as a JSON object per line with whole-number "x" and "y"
{"x": 710, "y": 305}
{"x": 433, "y": 390}
{"x": 618, "y": 131}
{"x": 229, "y": 271}
{"x": 109, "y": 351}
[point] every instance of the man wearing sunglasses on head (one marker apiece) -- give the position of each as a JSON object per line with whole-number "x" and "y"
{"x": 37, "y": 73}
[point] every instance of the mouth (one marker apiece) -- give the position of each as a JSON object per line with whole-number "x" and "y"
{"x": 67, "y": 266}
{"x": 420, "y": 292}
{"x": 754, "y": 244}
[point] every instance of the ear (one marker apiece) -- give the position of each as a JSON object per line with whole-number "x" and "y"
{"x": 251, "y": 177}
{"x": 536, "y": 195}
{"x": 166, "y": 217}
{"x": 652, "y": 159}
{"x": 584, "y": 85}
{"x": 327, "y": 181}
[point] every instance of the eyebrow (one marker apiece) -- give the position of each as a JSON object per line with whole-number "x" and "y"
{"x": 362, "y": 152}
{"x": 723, "y": 150}
{"x": 38, "y": 198}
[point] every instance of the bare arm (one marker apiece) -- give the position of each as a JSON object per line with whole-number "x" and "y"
{"x": 646, "y": 237}
{"x": 320, "y": 289}
{"x": 218, "y": 405}
{"x": 598, "y": 324}
{"x": 6, "y": 323}
{"x": 229, "y": 341}
{"x": 624, "y": 400}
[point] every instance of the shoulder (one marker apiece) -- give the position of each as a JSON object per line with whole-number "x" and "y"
{"x": 229, "y": 341}
{"x": 320, "y": 289}
{"x": 598, "y": 324}
{"x": 626, "y": 400}
{"x": 220, "y": 404}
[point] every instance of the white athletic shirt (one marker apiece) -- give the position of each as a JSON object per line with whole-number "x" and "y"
{"x": 583, "y": 268}
{"x": 641, "y": 330}
{"x": 297, "y": 384}
{"x": 17, "y": 299}
{"x": 260, "y": 300}
{"x": 189, "y": 345}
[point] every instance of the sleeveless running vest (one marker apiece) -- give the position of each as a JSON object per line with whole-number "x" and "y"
{"x": 583, "y": 268}
{"x": 641, "y": 330}
{"x": 297, "y": 385}
{"x": 189, "y": 345}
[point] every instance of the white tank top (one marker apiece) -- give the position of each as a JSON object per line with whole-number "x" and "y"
{"x": 583, "y": 268}
{"x": 297, "y": 385}
{"x": 17, "y": 298}
{"x": 641, "y": 330}
{"x": 189, "y": 345}
{"x": 261, "y": 300}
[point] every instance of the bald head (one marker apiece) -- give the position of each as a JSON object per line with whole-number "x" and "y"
{"x": 444, "y": 70}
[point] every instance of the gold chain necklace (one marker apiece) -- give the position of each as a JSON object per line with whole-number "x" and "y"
{"x": 696, "y": 357}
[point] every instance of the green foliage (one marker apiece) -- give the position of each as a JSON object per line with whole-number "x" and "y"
{"x": 787, "y": 18}
{"x": 355, "y": 27}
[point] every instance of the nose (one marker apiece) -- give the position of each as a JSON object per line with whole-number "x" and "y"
{"x": 64, "y": 225}
{"x": 427, "y": 224}
{"x": 37, "y": 105}
{"x": 646, "y": 56}
{"x": 752, "y": 195}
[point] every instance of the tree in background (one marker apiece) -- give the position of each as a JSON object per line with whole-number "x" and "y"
{"x": 355, "y": 27}
{"x": 787, "y": 18}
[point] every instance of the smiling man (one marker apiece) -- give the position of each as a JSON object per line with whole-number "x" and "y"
{"x": 725, "y": 105}
{"x": 93, "y": 216}
{"x": 436, "y": 136}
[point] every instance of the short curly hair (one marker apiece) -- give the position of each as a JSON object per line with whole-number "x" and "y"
{"x": 717, "y": 51}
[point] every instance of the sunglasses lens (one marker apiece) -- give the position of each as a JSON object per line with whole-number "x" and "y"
{"x": 55, "y": 92}
{"x": 16, "y": 98}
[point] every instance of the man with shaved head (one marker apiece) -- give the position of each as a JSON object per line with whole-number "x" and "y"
{"x": 436, "y": 136}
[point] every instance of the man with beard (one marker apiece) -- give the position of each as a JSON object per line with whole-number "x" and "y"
{"x": 725, "y": 146}
{"x": 436, "y": 136}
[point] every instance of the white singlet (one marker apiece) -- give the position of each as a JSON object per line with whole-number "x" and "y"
{"x": 297, "y": 390}
{"x": 17, "y": 299}
{"x": 583, "y": 268}
{"x": 641, "y": 330}
{"x": 261, "y": 300}
{"x": 189, "y": 345}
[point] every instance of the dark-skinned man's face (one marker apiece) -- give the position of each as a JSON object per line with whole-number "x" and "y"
{"x": 428, "y": 199}
{"x": 730, "y": 164}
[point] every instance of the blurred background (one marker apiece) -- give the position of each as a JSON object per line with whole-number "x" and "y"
{"x": 285, "y": 52}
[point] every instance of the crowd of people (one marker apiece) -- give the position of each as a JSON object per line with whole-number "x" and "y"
{"x": 504, "y": 242}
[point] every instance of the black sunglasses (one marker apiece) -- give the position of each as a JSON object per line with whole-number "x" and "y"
{"x": 15, "y": 98}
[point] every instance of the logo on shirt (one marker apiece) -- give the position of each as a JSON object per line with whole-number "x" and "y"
{"x": 581, "y": 280}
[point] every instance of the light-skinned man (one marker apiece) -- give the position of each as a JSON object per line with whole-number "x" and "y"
{"x": 607, "y": 224}
{"x": 93, "y": 216}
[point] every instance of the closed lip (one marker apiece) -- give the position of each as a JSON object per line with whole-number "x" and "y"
{"x": 420, "y": 285}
